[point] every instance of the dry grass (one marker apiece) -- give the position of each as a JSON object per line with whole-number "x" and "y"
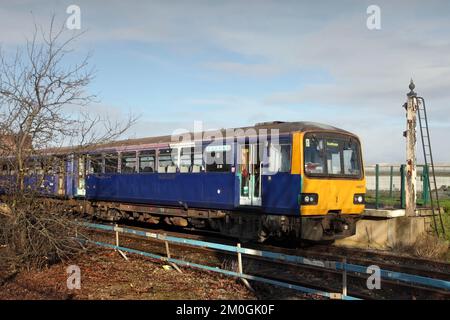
{"x": 430, "y": 246}
{"x": 426, "y": 246}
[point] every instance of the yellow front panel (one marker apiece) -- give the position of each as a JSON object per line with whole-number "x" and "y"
{"x": 334, "y": 194}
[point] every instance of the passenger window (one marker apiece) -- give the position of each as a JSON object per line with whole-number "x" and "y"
{"x": 49, "y": 170}
{"x": 147, "y": 161}
{"x": 59, "y": 165}
{"x": 186, "y": 158}
{"x": 39, "y": 169}
{"x": 280, "y": 158}
{"x": 95, "y": 164}
{"x": 198, "y": 162}
{"x": 111, "y": 162}
{"x": 165, "y": 162}
{"x": 128, "y": 162}
{"x": 216, "y": 158}
{"x": 30, "y": 168}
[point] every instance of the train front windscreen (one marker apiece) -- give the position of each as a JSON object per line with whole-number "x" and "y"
{"x": 332, "y": 155}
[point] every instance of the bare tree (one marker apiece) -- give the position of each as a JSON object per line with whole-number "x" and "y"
{"x": 44, "y": 106}
{"x": 44, "y": 102}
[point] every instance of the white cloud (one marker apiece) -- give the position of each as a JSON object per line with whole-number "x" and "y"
{"x": 368, "y": 71}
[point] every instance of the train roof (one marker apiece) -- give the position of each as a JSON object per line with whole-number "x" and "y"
{"x": 283, "y": 127}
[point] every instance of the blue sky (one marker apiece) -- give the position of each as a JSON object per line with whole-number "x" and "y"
{"x": 233, "y": 63}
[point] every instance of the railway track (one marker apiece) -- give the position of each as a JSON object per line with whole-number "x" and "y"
{"x": 319, "y": 278}
{"x": 417, "y": 266}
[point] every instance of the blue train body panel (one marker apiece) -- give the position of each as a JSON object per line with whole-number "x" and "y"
{"x": 280, "y": 193}
{"x": 202, "y": 190}
{"x": 46, "y": 185}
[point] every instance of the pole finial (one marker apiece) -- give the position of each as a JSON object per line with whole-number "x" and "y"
{"x": 412, "y": 86}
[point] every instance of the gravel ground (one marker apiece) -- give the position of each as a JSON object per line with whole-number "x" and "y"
{"x": 106, "y": 275}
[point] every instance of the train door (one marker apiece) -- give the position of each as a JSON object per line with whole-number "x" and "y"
{"x": 61, "y": 175}
{"x": 81, "y": 178}
{"x": 249, "y": 172}
{"x": 68, "y": 164}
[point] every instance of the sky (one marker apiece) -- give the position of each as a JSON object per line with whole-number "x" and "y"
{"x": 235, "y": 63}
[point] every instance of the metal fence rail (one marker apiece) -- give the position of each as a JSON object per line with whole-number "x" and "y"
{"x": 235, "y": 249}
{"x": 227, "y": 272}
{"x": 334, "y": 265}
{"x": 385, "y": 184}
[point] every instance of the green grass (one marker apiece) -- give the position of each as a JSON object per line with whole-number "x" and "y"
{"x": 446, "y": 216}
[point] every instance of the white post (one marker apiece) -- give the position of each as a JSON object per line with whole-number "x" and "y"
{"x": 117, "y": 235}
{"x": 241, "y": 269}
{"x": 411, "y": 119}
{"x": 344, "y": 277}
{"x": 167, "y": 249}
{"x": 169, "y": 256}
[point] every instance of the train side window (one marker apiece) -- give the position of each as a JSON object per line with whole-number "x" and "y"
{"x": 186, "y": 159}
{"x": 280, "y": 158}
{"x": 285, "y": 158}
{"x": 166, "y": 162}
{"x": 111, "y": 162}
{"x": 197, "y": 161}
{"x": 128, "y": 160}
{"x": 58, "y": 165}
{"x": 147, "y": 161}
{"x": 216, "y": 158}
{"x": 29, "y": 168}
{"x": 95, "y": 164}
{"x": 39, "y": 168}
{"x": 49, "y": 170}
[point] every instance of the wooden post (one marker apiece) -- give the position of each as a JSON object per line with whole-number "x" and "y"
{"x": 410, "y": 133}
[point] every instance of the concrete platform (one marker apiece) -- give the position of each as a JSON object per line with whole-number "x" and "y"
{"x": 384, "y": 213}
{"x": 376, "y": 232}
{"x": 395, "y": 213}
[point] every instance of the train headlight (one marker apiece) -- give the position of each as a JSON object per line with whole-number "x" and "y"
{"x": 359, "y": 198}
{"x": 309, "y": 198}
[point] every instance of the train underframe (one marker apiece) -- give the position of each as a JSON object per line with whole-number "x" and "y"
{"x": 242, "y": 225}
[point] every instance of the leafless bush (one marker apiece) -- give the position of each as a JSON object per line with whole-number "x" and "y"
{"x": 35, "y": 234}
